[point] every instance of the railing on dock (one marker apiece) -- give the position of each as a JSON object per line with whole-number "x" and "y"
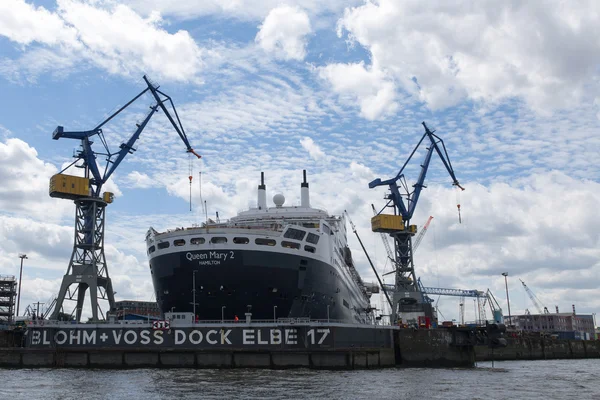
{"x": 180, "y": 323}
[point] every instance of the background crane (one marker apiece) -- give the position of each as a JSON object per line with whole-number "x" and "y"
{"x": 421, "y": 234}
{"x": 491, "y": 302}
{"x": 536, "y": 302}
{"x": 406, "y": 294}
{"x": 87, "y": 268}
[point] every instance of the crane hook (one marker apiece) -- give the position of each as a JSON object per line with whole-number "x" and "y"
{"x": 458, "y": 202}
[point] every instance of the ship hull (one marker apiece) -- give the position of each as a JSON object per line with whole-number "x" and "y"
{"x": 275, "y": 285}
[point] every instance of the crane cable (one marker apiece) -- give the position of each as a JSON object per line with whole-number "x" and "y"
{"x": 190, "y": 176}
{"x": 458, "y": 190}
{"x": 200, "y": 188}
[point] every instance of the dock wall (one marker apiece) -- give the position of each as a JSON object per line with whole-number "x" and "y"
{"x": 537, "y": 348}
{"x": 435, "y": 348}
{"x": 176, "y": 358}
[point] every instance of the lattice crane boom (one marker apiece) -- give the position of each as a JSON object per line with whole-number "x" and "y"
{"x": 536, "y": 302}
{"x": 421, "y": 234}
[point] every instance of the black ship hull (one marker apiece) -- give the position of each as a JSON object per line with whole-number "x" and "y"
{"x": 274, "y": 284}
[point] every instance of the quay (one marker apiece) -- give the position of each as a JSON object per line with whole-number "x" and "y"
{"x": 310, "y": 344}
{"x": 539, "y": 348}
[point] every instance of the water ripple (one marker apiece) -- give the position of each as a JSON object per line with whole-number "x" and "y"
{"x": 556, "y": 379}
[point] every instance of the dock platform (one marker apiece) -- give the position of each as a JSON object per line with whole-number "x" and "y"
{"x": 288, "y": 344}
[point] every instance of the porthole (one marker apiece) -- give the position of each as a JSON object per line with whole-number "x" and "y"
{"x": 265, "y": 242}
{"x": 241, "y": 240}
{"x": 290, "y": 245}
{"x": 198, "y": 240}
{"x": 218, "y": 240}
{"x": 163, "y": 245}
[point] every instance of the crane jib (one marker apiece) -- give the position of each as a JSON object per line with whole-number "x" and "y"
{"x": 407, "y": 210}
{"x": 89, "y": 156}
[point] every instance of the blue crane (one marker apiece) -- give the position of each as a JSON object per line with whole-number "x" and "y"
{"x": 412, "y": 198}
{"x": 408, "y": 296}
{"x": 88, "y": 156}
{"x": 87, "y": 267}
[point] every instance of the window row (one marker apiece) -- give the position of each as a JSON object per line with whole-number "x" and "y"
{"x": 236, "y": 240}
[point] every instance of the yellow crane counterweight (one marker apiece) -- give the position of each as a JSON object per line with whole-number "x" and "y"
{"x": 71, "y": 187}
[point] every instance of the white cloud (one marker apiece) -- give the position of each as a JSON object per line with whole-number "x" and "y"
{"x": 361, "y": 171}
{"x": 123, "y": 42}
{"x": 481, "y": 50}
{"x": 138, "y": 179}
{"x": 106, "y": 35}
{"x": 46, "y": 244}
{"x": 284, "y": 31}
{"x": 374, "y": 91}
{"x": 25, "y": 181}
{"x": 313, "y": 149}
{"x": 23, "y": 23}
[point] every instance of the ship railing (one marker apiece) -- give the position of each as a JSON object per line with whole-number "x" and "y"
{"x": 49, "y": 323}
{"x": 174, "y": 323}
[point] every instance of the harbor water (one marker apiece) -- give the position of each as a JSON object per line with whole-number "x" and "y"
{"x": 550, "y": 379}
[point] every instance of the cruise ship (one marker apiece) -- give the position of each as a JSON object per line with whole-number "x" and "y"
{"x": 271, "y": 261}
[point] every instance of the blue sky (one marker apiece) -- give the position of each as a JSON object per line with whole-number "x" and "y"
{"x": 337, "y": 88}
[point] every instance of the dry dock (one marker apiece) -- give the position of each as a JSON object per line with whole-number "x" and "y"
{"x": 239, "y": 345}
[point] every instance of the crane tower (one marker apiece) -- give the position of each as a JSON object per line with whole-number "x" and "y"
{"x": 407, "y": 296}
{"x": 87, "y": 267}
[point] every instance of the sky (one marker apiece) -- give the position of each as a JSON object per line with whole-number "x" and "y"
{"x": 338, "y": 88}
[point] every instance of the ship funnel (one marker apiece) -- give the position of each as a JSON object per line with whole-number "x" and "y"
{"x": 304, "y": 194}
{"x": 262, "y": 193}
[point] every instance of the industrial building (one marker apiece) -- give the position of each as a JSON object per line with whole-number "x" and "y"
{"x": 133, "y": 309}
{"x": 565, "y": 324}
{"x": 8, "y": 294}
